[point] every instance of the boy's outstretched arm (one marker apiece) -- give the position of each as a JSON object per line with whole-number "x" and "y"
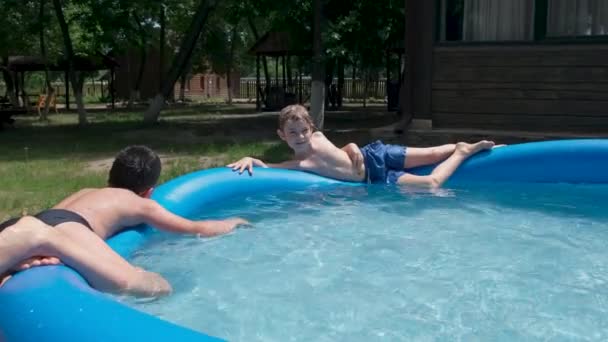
{"x": 248, "y": 163}
{"x": 154, "y": 214}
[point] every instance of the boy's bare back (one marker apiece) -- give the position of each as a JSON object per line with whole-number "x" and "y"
{"x": 108, "y": 210}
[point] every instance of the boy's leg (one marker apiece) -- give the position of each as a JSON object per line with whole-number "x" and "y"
{"x": 420, "y": 156}
{"x": 443, "y": 171}
{"x": 80, "y": 249}
{"x": 102, "y": 267}
{"x": 20, "y": 241}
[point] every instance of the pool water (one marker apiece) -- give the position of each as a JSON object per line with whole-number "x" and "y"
{"x": 490, "y": 262}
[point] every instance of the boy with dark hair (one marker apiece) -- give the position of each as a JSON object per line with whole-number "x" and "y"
{"x": 136, "y": 168}
{"x": 124, "y": 203}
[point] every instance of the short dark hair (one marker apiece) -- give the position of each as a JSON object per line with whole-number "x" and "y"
{"x": 135, "y": 168}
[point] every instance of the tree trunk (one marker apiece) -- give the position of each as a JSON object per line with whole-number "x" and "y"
{"x": 254, "y": 30}
{"x": 365, "y": 85}
{"x": 329, "y": 79}
{"x": 182, "y": 86}
{"x": 183, "y": 80}
{"x": 340, "y": 82}
{"x": 78, "y": 96}
{"x": 133, "y": 95}
{"x": 10, "y": 88}
{"x": 10, "y": 83}
{"x": 143, "y": 57}
{"x": 24, "y": 97}
{"x": 161, "y": 44}
{"x": 229, "y": 86}
{"x": 181, "y": 60}
{"x": 49, "y": 91}
{"x": 405, "y": 100}
{"x": 69, "y": 51}
{"x": 230, "y": 63}
{"x": 353, "y": 83}
{"x": 317, "y": 95}
{"x": 140, "y": 74}
{"x": 289, "y": 73}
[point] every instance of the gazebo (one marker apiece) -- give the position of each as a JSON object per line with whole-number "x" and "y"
{"x": 280, "y": 46}
{"x": 21, "y": 64}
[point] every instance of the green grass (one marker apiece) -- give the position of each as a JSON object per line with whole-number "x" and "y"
{"x": 41, "y": 163}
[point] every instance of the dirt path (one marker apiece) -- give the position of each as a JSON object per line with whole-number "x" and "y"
{"x": 104, "y": 165}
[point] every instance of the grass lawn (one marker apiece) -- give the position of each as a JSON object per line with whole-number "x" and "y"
{"x": 41, "y": 163}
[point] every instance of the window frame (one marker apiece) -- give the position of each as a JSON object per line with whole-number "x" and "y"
{"x": 541, "y": 12}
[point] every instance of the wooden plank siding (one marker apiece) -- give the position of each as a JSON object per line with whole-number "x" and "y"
{"x": 522, "y": 87}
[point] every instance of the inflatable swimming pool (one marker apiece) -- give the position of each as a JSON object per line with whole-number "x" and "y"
{"x": 56, "y": 304}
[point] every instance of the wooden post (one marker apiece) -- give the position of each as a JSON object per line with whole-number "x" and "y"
{"x": 276, "y": 70}
{"x": 388, "y": 77}
{"x": 340, "y": 82}
{"x": 400, "y": 68}
{"x": 258, "y": 106}
{"x": 112, "y": 87}
{"x": 388, "y": 65}
{"x": 420, "y": 39}
{"x": 301, "y": 85}
{"x": 15, "y": 76}
{"x": 26, "y": 100}
{"x": 161, "y": 59}
{"x": 284, "y": 78}
{"x": 67, "y": 90}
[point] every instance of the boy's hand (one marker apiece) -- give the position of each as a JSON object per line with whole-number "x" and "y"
{"x": 242, "y": 165}
{"x": 354, "y": 153}
{"x": 223, "y": 226}
{"x": 37, "y": 261}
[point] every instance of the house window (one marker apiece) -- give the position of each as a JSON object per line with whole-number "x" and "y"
{"x": 572, "y": 18}
{"x": 521, "y": 20}
{"x": 202, "y": 82}
{"x": 217, "y": 83}
{"x": 487, "y": 20}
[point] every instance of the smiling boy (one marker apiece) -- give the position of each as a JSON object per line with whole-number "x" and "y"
{"x": 374, "y": 163}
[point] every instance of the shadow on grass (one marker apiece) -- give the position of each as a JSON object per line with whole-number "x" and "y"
{"x": 189, "y": 130}
{"x": 277, "y": 153}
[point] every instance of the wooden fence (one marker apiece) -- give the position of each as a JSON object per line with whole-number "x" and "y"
{"x": 353, "y": 89}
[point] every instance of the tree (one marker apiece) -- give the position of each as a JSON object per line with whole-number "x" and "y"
{"x": 69, "y": 56}
{"x": 142, "y": 43}
{"x": 225, "y": 41}
{"x": 49, "y": 90}
{"x": 17, "y": 37}
{"x": 317, "y": 99}
{"x": 181, "y": 60}
{"x": 138, "y": 31}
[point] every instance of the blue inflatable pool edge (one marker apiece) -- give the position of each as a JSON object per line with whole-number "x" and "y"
{"x": 55, "y": 304}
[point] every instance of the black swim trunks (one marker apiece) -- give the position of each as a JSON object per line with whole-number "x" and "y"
{"x": 52, "y": 217}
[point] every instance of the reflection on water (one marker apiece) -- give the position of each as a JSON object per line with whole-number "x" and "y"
{"x": 485, "y": 262}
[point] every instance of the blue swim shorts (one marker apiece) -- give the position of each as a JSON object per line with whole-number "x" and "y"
{"x": 383, "y": 162}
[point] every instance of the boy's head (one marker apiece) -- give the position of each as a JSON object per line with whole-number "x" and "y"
{"x": 136, "y": 168}
{"x": 295, "y": 126}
